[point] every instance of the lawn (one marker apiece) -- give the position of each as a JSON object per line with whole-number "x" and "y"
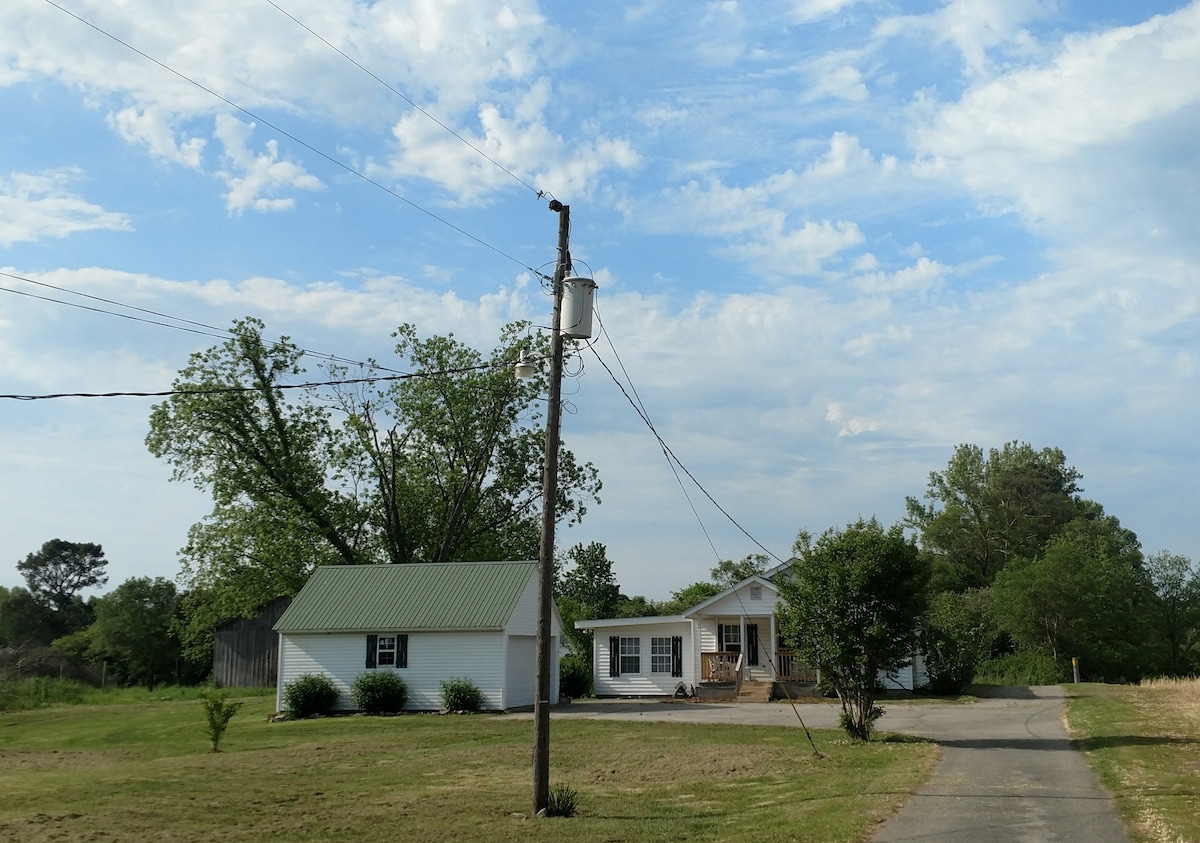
{"x": 141, "y": 770}
{"x": 1144, "y": 743}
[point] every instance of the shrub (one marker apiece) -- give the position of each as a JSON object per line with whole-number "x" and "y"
{"x": 575, "y": 676}
{"x": 310, "y": 694}
{"x": 379, "y": 691}
{"x": 562, "y": 801}
{"x": 461, "y": 695}
{"x": 218, "y": 711}
{"x": 1020, "y": 669}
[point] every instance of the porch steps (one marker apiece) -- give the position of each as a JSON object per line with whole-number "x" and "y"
{"x": 755, "y": 692}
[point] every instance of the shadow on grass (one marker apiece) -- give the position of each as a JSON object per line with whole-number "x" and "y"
{"x": 1116, "y": 741}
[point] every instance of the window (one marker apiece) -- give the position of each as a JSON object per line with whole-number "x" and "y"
{"x": 660, "y": 655}
{"x": 729, "y": 637}
{"x": 631, "y": 655}
{"x": 387, "y": 650}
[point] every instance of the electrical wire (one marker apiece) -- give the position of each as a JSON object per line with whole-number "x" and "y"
{"x": 356, "y": 63}
{"x": 331, "y": 159}
{"x": 672, "y": 457}
{"x": 672, "y": 460}
{"x": 223, "y": 390}
{"x": 220, "y": 333}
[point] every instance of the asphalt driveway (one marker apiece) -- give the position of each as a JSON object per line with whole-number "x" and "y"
{"x": 1008, "y": 770}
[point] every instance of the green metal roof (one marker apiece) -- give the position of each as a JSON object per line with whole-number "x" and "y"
{"x": 445, "y": 595}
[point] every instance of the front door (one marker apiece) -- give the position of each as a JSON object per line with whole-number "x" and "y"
{"x": 752, "y": 644}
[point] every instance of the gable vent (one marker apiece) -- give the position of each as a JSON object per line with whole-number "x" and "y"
{"x": 756, "y": 592}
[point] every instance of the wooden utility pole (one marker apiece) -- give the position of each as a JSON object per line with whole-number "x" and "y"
{"x": 542, "y": 701}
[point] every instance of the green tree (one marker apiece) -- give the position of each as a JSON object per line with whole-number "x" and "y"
{"x": 729, "y": 573}
{"x": 1085, "y": 596}
{"x": 441, "y": 466}
{"x": 689, "y": 596}
{"x": 986, "y": 509}
{"x": 61, "y": 569}
{"x": 852, "y": 604}
{"x": 588, "y": 579}
{"x": 957, "y": 635}
{"x": 27, "y": 621}
{"x": 1175, "y": 611}
{"x": 133, "y": 631}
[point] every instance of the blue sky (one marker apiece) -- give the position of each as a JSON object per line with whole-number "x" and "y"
{"x": 833, "y": 239}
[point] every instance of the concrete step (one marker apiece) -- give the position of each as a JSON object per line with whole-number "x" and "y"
{"x": 755, "y": 692}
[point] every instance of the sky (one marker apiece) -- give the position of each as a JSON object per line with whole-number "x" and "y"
{"x": 833, "y": 240}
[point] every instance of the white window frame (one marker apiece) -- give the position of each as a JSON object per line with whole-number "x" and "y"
{"x": 631, "y": 655}
{"x": 660, "y": 655}
{"x": 386, "y": 651}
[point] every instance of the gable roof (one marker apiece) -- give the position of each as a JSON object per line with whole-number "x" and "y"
{"x": 757, "y": 579}
{"x": 419, "y": 596}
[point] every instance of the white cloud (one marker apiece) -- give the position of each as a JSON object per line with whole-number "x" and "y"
{"x": 34, "y": 206}
{"x": 1076, "y": 143}
{"x": 255, "y": 176}
{"x": 977, "y": 29}
{"x": 806, "y": 11}
{"x": 153, "y": 129}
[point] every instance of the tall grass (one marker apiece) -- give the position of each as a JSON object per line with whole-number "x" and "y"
{"x": 1142, "y": 740}
{"x": 42, "y": 691}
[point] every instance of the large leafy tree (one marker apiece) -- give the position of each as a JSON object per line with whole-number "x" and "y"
{"x": 853, "y": 601}
{"x": 986, "y": 509}
{"x": 1175, "y": 611}
{"x": 1086, "y": 595}
{"x": 134, "y": 633}
{"x": 442, "y": 465}
{"x": 61, "y": 569}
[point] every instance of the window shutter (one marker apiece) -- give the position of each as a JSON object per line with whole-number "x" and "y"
{"x": 720, "y": 638}
{"x": 614, "y": 655}
{"x": 372, "y": 644}
{"x": 677, "y": 656}
{"x": 402, "y": 650}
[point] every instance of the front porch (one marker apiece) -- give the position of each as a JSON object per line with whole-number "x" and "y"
{"x": 730, "y": 666}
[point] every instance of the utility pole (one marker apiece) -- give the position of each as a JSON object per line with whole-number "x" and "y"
{"x": 542, "y": 701}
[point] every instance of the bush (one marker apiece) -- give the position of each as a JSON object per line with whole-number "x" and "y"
{"x": 562, "y": 801}
{"x": 310, "y": 694}
{"x": 218, "y": 711}
{"x": 575, "y": 676}
{"x": 1020, "y": 669}
{"x": 461, "y": 695}
{"x": 379, "y": 691}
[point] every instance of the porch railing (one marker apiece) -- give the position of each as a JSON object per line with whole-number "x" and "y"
{"x": 791, "y": 669}
{"x": 720, "y": 667}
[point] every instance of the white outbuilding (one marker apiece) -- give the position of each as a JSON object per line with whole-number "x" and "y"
{"x": 429, "y": 622}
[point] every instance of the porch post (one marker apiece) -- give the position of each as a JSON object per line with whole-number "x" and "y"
{"x": 745, "y": 648}
{"x": 774, "y": 651}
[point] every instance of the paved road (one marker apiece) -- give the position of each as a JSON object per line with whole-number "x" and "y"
{"x": 1008, "y": 770}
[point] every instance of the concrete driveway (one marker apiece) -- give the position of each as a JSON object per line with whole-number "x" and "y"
{"x": 1008, "y": 770}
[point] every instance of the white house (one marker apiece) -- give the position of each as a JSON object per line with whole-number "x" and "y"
{"x": 731, "y": 638}
{"x": 428, "y": 622}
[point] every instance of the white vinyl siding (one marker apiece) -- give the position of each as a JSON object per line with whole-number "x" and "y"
{"x": 432, "y": 658}
{"x": 646, "y": 683}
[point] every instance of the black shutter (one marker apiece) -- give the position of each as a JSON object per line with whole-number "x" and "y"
{"x": 720, "y": 638}
{"x": 372, "y": 644}
{"x": 677, "y": 656}
{"x": 402, "y": 650}
{"x": 614, "y": 655}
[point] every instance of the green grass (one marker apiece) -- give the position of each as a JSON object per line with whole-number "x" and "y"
{"x": 142, "y": 769}
{"x": 1144, "y": 744}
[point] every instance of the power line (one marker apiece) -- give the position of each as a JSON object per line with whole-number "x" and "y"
{"x": 671, "y": 457}
{"x": 223, "y": 390}
{"x": 356, "y": 63}
{"x": 331, "y": 159}
{"x": 222, "y": 333}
